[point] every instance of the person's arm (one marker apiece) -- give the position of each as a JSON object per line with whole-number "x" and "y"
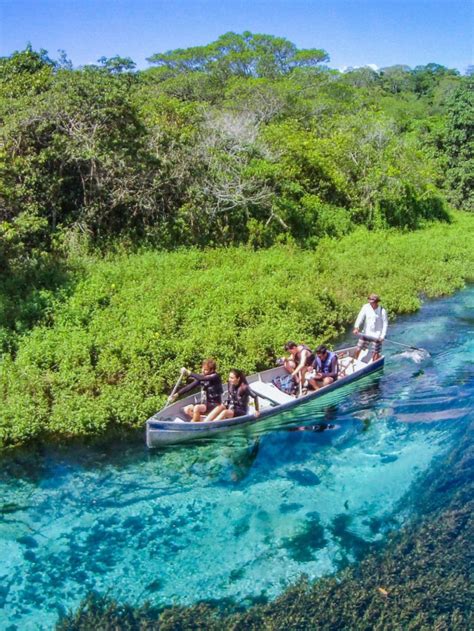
{"x": 359, "y": 320}
{"x": 304, "y": 356}
{"x": 202, "y": 378}
{"x": 315, "y": 370}
{"x": 187, "y": 388}
{"x": 334, "y": 368}
{"x": 255, "y": 398}
{"x": 198, "y": 379}
{"x": 384, "y": 324}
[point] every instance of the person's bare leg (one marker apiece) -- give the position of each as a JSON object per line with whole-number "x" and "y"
{"x": 199, "y": 409}
{"x": 225, "y": 413}
{"x": 213, "y": 414}
{"x": 188, "y": 410}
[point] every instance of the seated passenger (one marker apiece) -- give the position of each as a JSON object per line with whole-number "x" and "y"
{"x": 211, "y": 390}
{"x": 325, "y": 368}
{"x": 237, "y": 400}
{"x": 299, "y": 362}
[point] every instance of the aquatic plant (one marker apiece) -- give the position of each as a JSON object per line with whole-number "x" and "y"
{"x": 421, "y": 580}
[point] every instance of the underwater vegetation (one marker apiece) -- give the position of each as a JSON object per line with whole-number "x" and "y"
{"x": 310, "y": 538}
{"x": 420, "y": 580}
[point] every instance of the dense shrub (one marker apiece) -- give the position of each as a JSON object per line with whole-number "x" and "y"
{"x": 247, "y": 140}
{"x": 107, "y": 353}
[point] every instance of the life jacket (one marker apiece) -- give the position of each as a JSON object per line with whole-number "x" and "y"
{"x": 309, "y": 359}
{"x": 212, "y": 390}
{"x": 324, "y": 366}
{"x": 237, "y": 400}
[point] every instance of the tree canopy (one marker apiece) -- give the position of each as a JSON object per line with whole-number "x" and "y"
{"x": 245, "y": 140}
{"x": 245, "y": 55}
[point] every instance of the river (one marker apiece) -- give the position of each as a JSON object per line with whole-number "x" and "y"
{"x": 244, "y": 515}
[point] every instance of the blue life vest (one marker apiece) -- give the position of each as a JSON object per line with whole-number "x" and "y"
{"x": 324, "y": 366}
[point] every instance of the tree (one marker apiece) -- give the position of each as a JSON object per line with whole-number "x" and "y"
{"x": 364, "y": 77}
{"x": 426, "y": 78}
{"x": 70, "y": 152}
{"x": 396, "y": 79}
{"x": 246, "y": 55}
{"x": 459, "y": 145}
{"x": 245, "y": 138}
{"x": 117, "y": 64}
{"x": 25, "y": 72}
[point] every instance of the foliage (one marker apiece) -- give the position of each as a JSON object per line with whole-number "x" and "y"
{"x": 247, "y": 55}
{"x": 459, "y": 143}
{"x": 31, "y": 279}
{"x": 21, "y": 242}
{"x": 247, "y": 140}
{"x": 110, "y": 347}
{"x": 247, "y": 143}
{"x": 25, "y": 73}
{"x": 356, "y": 167}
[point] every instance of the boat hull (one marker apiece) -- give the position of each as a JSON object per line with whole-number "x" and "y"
{"x": 164, "y": 428}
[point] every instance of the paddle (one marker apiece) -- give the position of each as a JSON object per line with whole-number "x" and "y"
{"x": 412, "y": 348}
{"x": 183, "y": 372}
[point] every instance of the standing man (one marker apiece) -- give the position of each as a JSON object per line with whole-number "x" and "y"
{"x": 373, "y": 320}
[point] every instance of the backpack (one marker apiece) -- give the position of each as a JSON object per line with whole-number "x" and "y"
{"x": 285, "y": 383}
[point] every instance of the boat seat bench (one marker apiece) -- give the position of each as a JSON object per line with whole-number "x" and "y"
{"x": 349, "y": 365}
{"x": 271, "y": 392}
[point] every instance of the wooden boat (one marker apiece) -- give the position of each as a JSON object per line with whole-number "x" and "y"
{"x": 171, "y": 425}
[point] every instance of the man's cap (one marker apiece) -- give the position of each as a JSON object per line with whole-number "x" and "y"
{"x": 374, "y": 298}
{"x": 289, "y": 345}
{"x": 321, "y": 349}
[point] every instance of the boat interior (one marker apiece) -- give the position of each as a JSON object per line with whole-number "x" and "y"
{"x": 269, "y": 395}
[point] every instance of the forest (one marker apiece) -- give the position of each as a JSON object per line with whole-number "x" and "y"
{"x": 228, "y": 170}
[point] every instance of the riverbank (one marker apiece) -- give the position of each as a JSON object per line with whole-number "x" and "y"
{"x": 107, "y": 351}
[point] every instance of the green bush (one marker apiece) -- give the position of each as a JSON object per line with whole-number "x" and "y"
{"x": 108, "y": 353}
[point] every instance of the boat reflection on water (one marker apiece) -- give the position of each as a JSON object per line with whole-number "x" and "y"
{"x": 319, "y": 427}
{"x": 371, "y": 392}
{"x": 330, "y": 413}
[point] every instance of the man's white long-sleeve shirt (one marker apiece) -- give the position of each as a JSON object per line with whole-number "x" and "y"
{"x": 373, "y": 321}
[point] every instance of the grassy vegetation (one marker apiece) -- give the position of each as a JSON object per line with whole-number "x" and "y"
{"x": 107, "y": 351}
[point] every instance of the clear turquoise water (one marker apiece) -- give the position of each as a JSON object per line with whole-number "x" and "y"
{"x": 244, "y": 515}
